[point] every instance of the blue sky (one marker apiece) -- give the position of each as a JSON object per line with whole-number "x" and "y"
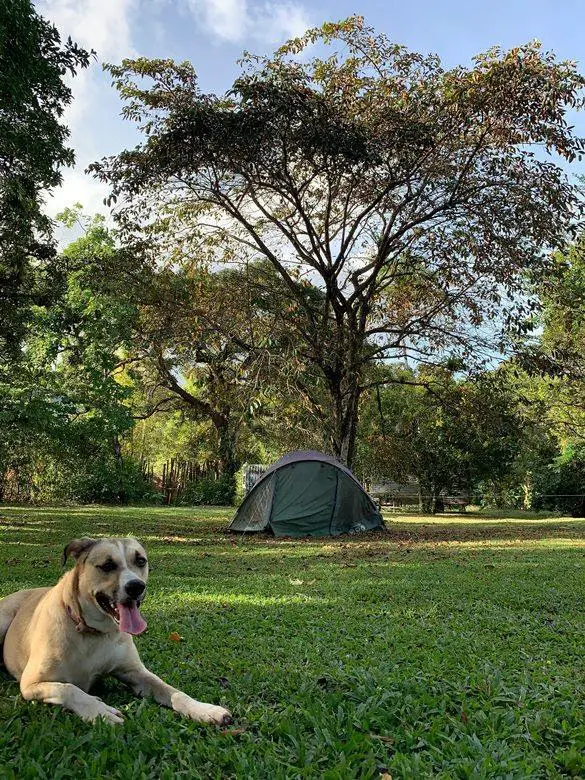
{"x": 213, "y": 33}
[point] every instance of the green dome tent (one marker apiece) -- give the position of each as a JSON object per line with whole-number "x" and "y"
{"x": 307, "y": 494}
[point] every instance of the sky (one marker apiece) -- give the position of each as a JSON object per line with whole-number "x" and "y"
{"x": 213, "y": 33}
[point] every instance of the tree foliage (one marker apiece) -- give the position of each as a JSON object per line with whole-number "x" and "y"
{"x": 212, "y": 345}
{"x": 33, "y": 150}
{"x": 560, "y": 485}
{"x": 550, "y": 364}
{"x": 410, "y": 195}
{"x": 448, "y": 435}
{"x": 62, "y": 413}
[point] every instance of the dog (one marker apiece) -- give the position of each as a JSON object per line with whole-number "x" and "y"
{"x": 58, "y": 641}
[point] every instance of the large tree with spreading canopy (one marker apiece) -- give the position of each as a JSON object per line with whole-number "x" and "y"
{"x": 417, "y": 199}
{"x": 33, "y": 150}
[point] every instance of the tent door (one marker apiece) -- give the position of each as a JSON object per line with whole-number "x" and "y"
{"x": 304, "y": 499}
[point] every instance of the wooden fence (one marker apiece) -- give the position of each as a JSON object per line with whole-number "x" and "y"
{"x": 177, "y": 475}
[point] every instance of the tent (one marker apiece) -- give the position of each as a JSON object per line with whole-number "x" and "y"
{"x": 307, "y": 494}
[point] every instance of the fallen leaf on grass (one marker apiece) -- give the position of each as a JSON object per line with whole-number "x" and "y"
{"x": 296, "y": 582}
{"x": 383, "y": 738}
{"x": 232, "y": 732}
{"x": 175, "y": 637}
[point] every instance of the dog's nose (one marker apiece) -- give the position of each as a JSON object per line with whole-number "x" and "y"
{"x": 135, "y": 588}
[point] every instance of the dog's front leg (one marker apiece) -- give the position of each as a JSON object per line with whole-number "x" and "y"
{"x": 72, "y": 698}
{"x": 144, "y": 683}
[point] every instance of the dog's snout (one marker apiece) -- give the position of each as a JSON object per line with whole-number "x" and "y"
{"x": 135, "y": 588}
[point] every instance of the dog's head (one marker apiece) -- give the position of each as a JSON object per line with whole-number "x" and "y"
{"x": 111, "y": 574}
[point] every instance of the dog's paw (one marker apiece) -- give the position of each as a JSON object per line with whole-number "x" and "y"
{"x": 98, "y": 709}
{"x": 212, "y": 713}
{"x": 199, "y": 711}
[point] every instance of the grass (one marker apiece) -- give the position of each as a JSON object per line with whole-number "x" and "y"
{"x": 444, "y": 648}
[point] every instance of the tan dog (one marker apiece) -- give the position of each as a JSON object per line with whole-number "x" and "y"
{"x": 58, "y": 641}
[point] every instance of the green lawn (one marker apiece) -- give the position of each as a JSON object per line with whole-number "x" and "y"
{"x": 451, "y": 648}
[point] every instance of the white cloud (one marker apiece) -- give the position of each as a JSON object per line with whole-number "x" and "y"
{"x": 101, "y": 25}
{"x": 77, "y": 187}
{"x": 239, "y": 20}
{"x": 105, "y": 26}
{"x": 225, "y": 18}
{"x": 110, "y": 27}
{"x": 275, "y": 23}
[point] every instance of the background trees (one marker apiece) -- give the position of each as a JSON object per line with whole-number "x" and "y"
{"x": 359, "y": 234}
{"x": 410, "y": 196}
{"x": 33, "y": 150}
{"x": 447, "y": 434}
{"x": 33, "y": 95}
{"x": 65, "y": 413}
{"x": 212, "y": 345}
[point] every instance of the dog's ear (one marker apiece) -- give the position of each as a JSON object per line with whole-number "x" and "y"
{"x": 77, "y": 547}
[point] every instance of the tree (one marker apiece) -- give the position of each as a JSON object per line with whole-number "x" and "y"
{"x": 447, "y": 434}
{"x": 561, "y": 485}
{"x": 410, "y": 195}
{"x": 563, "y": 317}
{"x": 64, "y": 411}
{"x": 183, "y": 362}
{"x": 201, "y": 346}
{"x": 550, "y": 364}
{"x": 33, "y": 96}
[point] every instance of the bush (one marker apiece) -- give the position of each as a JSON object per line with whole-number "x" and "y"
{"x": 210, "y": 491}
{"x": 100, "y": 478}
{"x": 561, "y": 486}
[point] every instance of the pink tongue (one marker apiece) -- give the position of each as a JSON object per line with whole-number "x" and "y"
{"x": 131, "y": 621}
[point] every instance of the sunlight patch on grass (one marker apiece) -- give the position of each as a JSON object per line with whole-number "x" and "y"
{"x": 480, "y": 520}
{"x": 503, "y": 545}
{"x": 224, "y": 598}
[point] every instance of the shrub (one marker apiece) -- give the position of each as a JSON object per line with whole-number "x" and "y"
{"x": 561, "y": 486}
{"x": 210, "y": 491}
{"x": 100, "y": 478}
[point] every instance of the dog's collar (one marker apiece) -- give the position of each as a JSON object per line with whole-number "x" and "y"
{"x": 80, "y": 624}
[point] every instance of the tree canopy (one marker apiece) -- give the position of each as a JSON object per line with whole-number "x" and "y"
{"x": 33, "y": 150}
{"x": 351, "y": 233}
{"x": 411, "y": 196}
{"x": 447, "y": 434}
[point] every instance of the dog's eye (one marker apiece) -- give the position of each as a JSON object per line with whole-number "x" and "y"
{"x": 108, "y": 566}
{"x": 140, "y": 561}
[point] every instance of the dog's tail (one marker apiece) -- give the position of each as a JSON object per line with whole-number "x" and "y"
{"x": 9, "y": 606}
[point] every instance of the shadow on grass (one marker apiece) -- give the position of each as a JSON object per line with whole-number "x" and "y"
{"x": 199, "y": 545}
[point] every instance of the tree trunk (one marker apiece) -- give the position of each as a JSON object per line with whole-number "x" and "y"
{"x": 227, "y": 440}
{"x": 117, "y": 448}
{"x": 427, "y": 497}
{"x": 346, "y": 396}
